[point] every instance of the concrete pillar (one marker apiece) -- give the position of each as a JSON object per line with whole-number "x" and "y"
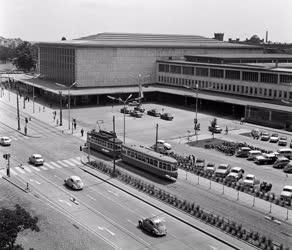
{"x": 270, "y": 115}
{"x": 97, "y": 99}
{"x": 278, "y": 79}
{"x": 240, "y": 75}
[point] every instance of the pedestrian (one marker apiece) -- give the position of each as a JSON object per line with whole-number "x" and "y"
{"x": 43, "y": 108}
{"x": 57, "y": 122}
{"x": 82, "y": 132}
{"x": 75, "y": 124}
{"x": 226, "y": 130}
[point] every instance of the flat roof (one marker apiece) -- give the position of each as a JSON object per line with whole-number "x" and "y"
{"x": 244, "y": 56}
{"x": 212, "y": 96}
{"x": 146, "y": 40}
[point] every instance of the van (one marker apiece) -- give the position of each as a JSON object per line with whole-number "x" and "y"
{"x": 252, "y": 154}
{"x": 281, "y": 162}
{"x": 243, "y": 152}
{"x": 286, "y": 152}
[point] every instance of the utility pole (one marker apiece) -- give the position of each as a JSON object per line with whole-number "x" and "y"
{"x": 7, "y": 157}
{"x": 114, "y": 129}
{"x": 17, "y": 104}
{"x": 156, "y": 137}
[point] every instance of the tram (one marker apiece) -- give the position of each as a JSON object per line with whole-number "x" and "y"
{"x": 103, "y": 141}
{"x": 149, "y": 160}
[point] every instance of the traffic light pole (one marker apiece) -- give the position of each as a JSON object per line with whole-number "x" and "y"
{"x": 114, "y": 129}
{"x": 17, "y": 103}
{"x": 61, "y": 97}
{"x": 7, "y": 157}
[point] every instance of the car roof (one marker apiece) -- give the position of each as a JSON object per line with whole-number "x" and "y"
{"x": 250, "y": 175}
{"x": 224, "y": 164}
{"x": 255, "y": 151}
{"x": 5, "y": 137}
{"x": 36, "y": 155}
{"x": 237, "y": 168}
{"x": 75, "y": 178}
{"x": 245, "y": 148}
{"x": 288, "y": 187}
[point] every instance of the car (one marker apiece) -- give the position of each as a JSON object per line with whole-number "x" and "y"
{"x": 281, "y": 162}
{"x": 253, "y": 154}
{"x": 217, "y": 129}
{"x": 250, "y": 180}
{"x": 166, "y": 145}
{"x": 291, "y": 143}
{"x": 236, "y": 173}
{"x": 74, "y": 182}
{"x": 139, "y": 109}
{"x": 153, "y": 225}
{"x": 5, "y": 141}
{"x": 288, "y": 168}
{"x": 222, "y": 170}
{"x": 133, "y": 103}
{"x": 167, "y": 116}
{"x": 125, "y": 110}
{"x": 265, "y": 136}
{"x": 36, "y": 159}
{"x": 266, "y": 158}
{"x": 200, "y": 163}
{"x": 260, "y": 159}
{"x": 286, "y": 194}
{"x": 274, "y": 138}
{"x": 282, "y": 141}
{"x": 153, "y": 112}
{"x": 243, "y": 152}
{"x": 136, "y": 114}
{"x": 210, "y": 168}
{"x": 286, "y": 152}
{"x": 255, "y": 133}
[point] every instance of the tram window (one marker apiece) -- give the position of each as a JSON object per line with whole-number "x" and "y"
{"x": 151, "y": 161}
{"x": 160, "y": 164}
{"x": 285, "y": 94}
{"x": 168, "y": 167}
{"x": 147, "y": 160}
{"x": 164, "y": 166}
{"x": 155, "y": 163}
{"x": 280, "y": 94}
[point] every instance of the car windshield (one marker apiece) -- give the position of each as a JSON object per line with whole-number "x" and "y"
{"x": 265, "y": 134}
{"x": 287, "y": 190}
{"x": 38, "y": 157}
{"x": 234, "y": 171}
{"x": 249, "y": 178}
{"x": 283, "y": 138}
{"x": 222, "y": 167}
{"x": 274, "y": 135}
{"x": 200, "y": 160}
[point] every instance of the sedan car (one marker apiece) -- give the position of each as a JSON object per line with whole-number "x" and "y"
{"x": 74, "y": 182}
{"x": 133, "y": 103}
{"x": 236, "y": 173}
{"x": 167, "y": 116}
{"x": 136, "y": 114}
{"x": 125, "y": 110}
{"x": 274, "y": 138}
{"x": 5, "y": 141}
{"x": 250, "y": 180}
{"x": 288, "y": 168}
{"x": 153, "y": 112}
{"x": 210, "y": 168}
{"x": 265, "y": 136}
{"x": 282, "y": 141}
{"x": 222, "y": 170}
{"x": 153, "y": 225}
{"x": 139, "y": 109}
{"x": 216, "y": 129}
{"x": 36, "y": 159}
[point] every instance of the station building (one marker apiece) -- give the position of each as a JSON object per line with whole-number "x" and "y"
{"x": 234, "y": 78}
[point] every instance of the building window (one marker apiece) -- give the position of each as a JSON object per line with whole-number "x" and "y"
{"x": 250, "y": 76}
{"x": 218, "y": 73}
{"x": 202, "y": 71}
{"x": 251, "y": 90}
{"x": 286, "y": 78}
{"x": 232, "y": 74}
{"x": 280, "y": 94}
{"x": 188, "y": 70}
{"x": 265, "y": 92}
{"x": 260, "y": 91}
{"x": 285, "y": 94}
{"x": 163, "y": 67}
{"x": 275, "y": 93}
{"x": 175, "y": 69}
{"x": 269, "y": 78}
{"x": 270, "y": 92}
{"x": 255, "y": 91}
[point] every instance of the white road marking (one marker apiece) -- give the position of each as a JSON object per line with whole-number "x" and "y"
{"x": 91, "y": 197}
{"x": 215, "y": 248}
{"x": 26, "y": 168}
{"x": 67, "y": 202}
{"x": 19, "y": 170}
{"x": 112, "y": 233}
{"x": 55, "y": 164}
{"x": 58, "y": 177}
{"x": 131, "y": 222}
{"x": 62, "y": 163}
{"x": 2, "y": 172}
{"x": 49, "y": 165}
{"x": 43, "y": 168}
{"x": 36, "y": 168}
{"x": 69, "y": 163}
{"x": 12, "y": 171}
{"x": 78, "y": 158}
{"x": 75, "y": 161}
{"x": 37, "y": 182}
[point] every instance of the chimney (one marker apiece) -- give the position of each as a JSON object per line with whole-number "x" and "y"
{"x": 267, "y": 33}
{"x": 219, "y": 36}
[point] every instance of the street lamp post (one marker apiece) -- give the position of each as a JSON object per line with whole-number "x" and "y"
{"x": 61, "y": 100}
{"x": 123, "y": 102}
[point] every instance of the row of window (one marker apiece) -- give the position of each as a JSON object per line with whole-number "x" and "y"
{"x": 105, "y": 144}
{"x": 149, "y": 160}
{"x": 234, "y": 88}
{"x": 225, "y": 73}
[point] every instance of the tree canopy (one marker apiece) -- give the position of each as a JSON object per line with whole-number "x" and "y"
{"x": 13, "y": 222}
{"x": 25, "y": 56}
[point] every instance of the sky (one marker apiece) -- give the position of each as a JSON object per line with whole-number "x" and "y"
{"x": 50, "y": 20}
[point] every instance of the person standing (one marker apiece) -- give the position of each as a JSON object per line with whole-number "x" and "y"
{"x": 82, "y": 132}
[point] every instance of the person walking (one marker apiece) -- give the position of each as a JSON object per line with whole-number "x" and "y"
{"x": 82, "y": 132}
{"x": 226, "y": 130}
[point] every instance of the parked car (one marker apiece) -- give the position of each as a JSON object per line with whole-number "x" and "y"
{"x": 286, "y": 194}
{"x": 74, "y": 182}
{"x": 255, "y": 133}
{"x": 243, "y": 152}
{"x": 250, "y": 180}
{"x": 167, "y": 116}
{"x": 166, "y": 145}
{"x": 5, "y": 141}
{"x": 288, "y": 168}
{"x": 210, "y": 167}
{"x": 133, "y": 103}
{"x": 265, "y": 136}
{"x": 260, "y": 160}
{"x": 153, "y": 225}
{"x": 274, "y": 138}
{"x": 266, "y": 158}
{"x": 136, "y": 114}
{"x": 286, "y": 152}
{"x": 282, "y": 141}
{"x": 291, "y": 143}
{"x": 253, "y": 154}
{"x": 200, "y": 163}
{"x": 222, "y": 170}
{"x": 236, "y": 173}
{"x": 281, "y": 162}
{"x": 36, "y": 159}
{"x": 139, "y": 109}
{"x": 217, "y": 129}
{"x": 125, "y": 110}
{"x": 153, "y": 112}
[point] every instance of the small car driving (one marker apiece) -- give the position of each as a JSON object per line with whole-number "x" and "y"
{"x": 167, "y": 116}
{"x": 153, "y": 225}
{"x": 36, "y": 159}
{"x": 153, "y": 112}
{"x": 74, "y": 182}
{"x": 5, "y": 141}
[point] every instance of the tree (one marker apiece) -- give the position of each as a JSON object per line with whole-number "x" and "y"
{"x": 63, "y": 38}
{"x": 11, "y": 223}
{"x": 6, "y": 53}
{"x": 25, "y": 56}
{"x": 213, "y": 124}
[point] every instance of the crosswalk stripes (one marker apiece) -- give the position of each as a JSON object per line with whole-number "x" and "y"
{"x": 67, "y": 163}
{"x": 49, "y": 165}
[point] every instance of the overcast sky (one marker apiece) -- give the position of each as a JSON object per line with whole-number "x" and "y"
{"x": 50, "y": 20}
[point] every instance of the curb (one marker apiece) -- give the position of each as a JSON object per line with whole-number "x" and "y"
{"x": 15, "y": 184}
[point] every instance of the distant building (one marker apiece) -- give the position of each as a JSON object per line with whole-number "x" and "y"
{"x": 219, "y": 36}
{"x": 7, "y": 42}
